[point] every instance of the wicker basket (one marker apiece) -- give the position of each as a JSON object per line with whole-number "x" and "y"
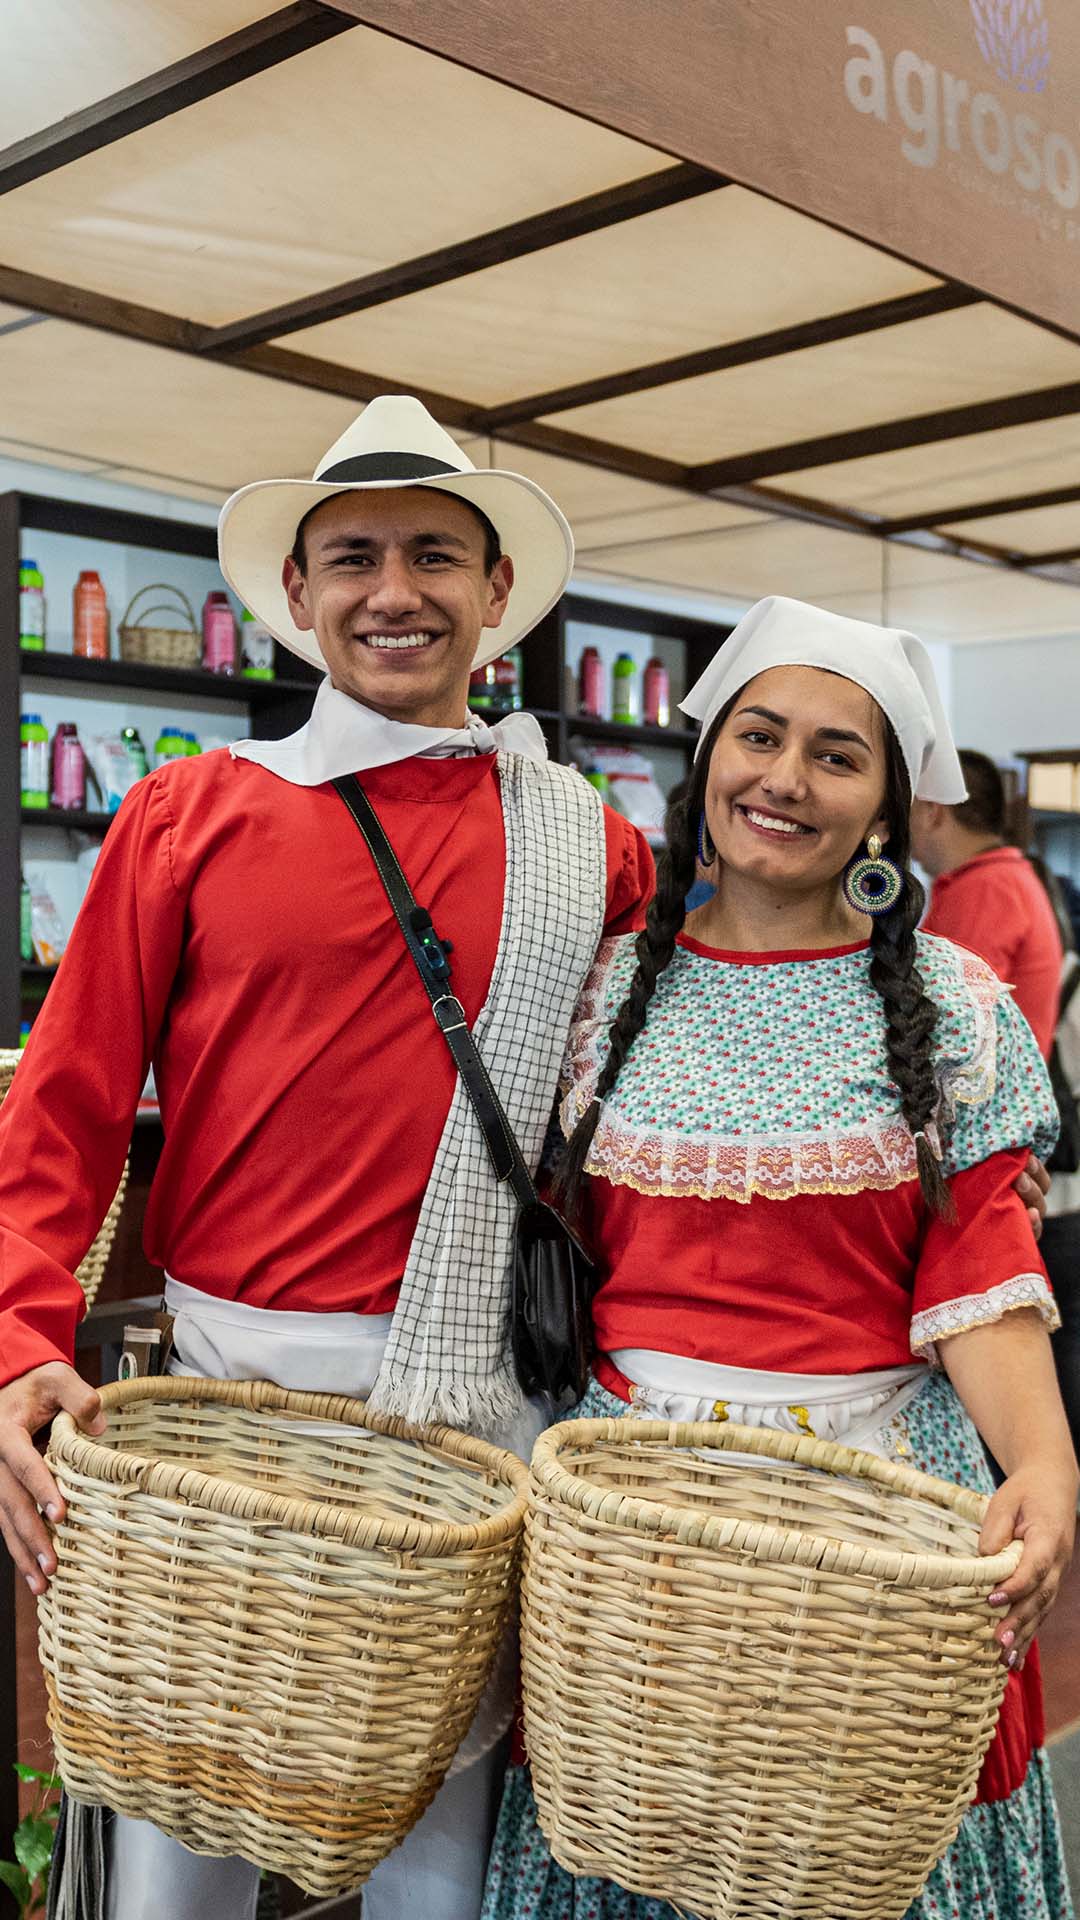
{"x": 91, "y": 1271}
{"x": 755, "y": 1686}
{"x": 161, "y": 646}
{"x": 268, "y": 1631}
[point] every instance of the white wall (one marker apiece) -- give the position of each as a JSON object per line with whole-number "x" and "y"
{"x": 1017, "y": 697}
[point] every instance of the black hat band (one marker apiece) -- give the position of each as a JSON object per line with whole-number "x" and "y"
{"x": 387, "y": 466}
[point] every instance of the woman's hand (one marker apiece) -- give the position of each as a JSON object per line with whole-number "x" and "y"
{"x": 1036, "y": 1504}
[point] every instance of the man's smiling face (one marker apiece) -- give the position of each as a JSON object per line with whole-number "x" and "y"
{"x": 396, "y": 589}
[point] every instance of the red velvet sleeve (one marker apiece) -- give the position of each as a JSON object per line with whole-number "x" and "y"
{"x": 66, "y": 1123}
{"x": 985, "y": 1263}
{"x": 631, "y": 875}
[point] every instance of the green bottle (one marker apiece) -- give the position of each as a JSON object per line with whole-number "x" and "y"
{"x": 26, "y": 937}
{"x": 624, "y": 690}
{"x": 34, "y": 760}
{"x": 31, "y": 607}
{"x": 135, "y": 751}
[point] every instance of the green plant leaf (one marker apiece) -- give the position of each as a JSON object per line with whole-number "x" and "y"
{"x": 33, "y": 1844}
{"x": 50, "y": 1780}
{"x": 16, "y": 1880}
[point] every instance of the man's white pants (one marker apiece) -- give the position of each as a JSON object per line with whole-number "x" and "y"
{"x": 436, "y": 1874}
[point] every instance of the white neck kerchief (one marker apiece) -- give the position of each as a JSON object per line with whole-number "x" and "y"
{"x": 893, "y": 666}
{"x": 342, "y": 736}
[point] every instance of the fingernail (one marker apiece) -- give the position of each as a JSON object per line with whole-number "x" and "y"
{"x": 44, "y": 1563}
{"x": 52, "y": 1512}
{"x": 998, "y": 1599}
{"x": 1008, "y": 1637}
{"x": 32, "y": 1582}
{"x": 1012, "y": 1659}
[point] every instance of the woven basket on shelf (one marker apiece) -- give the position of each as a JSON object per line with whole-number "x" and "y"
{"x": 161, "y": 646}
{"x": 91, "y": 1271}
{"x": 754, "y": 1686}
{"x": 269, "y": 1630}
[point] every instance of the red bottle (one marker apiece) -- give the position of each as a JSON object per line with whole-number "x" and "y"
{"x": 591, "y": 683}
{"x": 656, "y": 695}
{"x": 68, "y": 768}
{"x": 90, "y": 628}
{"x": 219, "y": 634}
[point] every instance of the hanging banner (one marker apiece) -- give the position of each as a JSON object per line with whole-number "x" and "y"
{"x": 947, "y": 131}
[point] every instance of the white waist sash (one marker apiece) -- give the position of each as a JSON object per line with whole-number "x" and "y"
{"x": 854, "y": 1408}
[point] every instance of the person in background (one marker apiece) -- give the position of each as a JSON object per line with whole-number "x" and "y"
{"x": 986, "y": 896}
{"x": 1060, "y": 1242}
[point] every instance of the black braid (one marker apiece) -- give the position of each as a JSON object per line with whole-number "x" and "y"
{"x": 676, "y": 871}
{"x": 910, "y": 1014}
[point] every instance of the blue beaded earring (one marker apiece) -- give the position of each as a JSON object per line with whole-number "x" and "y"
{"x": 706, "y": 852}
{"x": 872, "y": 883}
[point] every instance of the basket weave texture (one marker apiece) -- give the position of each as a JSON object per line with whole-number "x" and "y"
{"x": 759, "y": 1670}
{"x": 91, "y": 1271}
{"x": 269, "y": 1629}
{"x": 161, "y": 646}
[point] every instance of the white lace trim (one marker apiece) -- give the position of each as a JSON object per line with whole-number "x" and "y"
{"x": 981, "y": 1310}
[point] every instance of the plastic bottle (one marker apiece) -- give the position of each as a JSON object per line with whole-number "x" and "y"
{"x": 219, "y": 634}
{"x": 656, "y": 694}
{"x": 169, "y": 745}
{"x": 482, "y": 690}
{"x": 135, "y": 751}
{"x": 256, "y": 648}
{"x": 597, "y": 778}
{"x": 191, "y": 745}
{"x": 34, "y": 760}
{"x": 591, "y": 683}
{"x": 31, "y": 607}
{"x": 624, "y": 690}
{"x": 508, "y": 681}
{"x": 26, "y": 936}
{"x": 68, "y": 768}
{"x": 90, "y": 626}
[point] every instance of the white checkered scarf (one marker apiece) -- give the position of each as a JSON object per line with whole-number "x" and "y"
{"x": 448, "y": 1353}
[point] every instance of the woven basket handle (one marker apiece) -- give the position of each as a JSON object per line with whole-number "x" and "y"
{"x": 162, "y": 586}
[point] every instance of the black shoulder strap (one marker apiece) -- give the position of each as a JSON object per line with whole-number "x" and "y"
{"x": 430, "y": 956}
{"x": 1069, "y": 989}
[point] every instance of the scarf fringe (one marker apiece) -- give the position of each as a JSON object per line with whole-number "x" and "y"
{"x": 428, "y": 1399}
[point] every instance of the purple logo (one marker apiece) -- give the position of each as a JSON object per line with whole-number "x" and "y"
{"x": 1013, "y": 37}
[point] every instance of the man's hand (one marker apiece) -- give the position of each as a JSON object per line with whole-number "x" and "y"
{"x": 1033, "y": 1185}
{"x": 26, "y": 1405}
{"x": 1038, "y": 1506}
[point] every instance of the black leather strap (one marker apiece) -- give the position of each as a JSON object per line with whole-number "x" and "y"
{"x": 429, "y": 954}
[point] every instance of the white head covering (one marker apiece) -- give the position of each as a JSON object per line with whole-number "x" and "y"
{"x": 893, "y": 666}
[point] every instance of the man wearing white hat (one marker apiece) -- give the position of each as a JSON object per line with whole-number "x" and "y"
{"x": 323, "y": 1206}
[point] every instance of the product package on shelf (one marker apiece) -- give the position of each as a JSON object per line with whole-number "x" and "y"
{"x": 111, "y": 767}
{"x": 46, "y": 927}
{"x": 628, "y": 784}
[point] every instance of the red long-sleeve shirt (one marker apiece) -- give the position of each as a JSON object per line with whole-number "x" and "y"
{"x": 237, "y": 934}
{"x": 996, "y": 905}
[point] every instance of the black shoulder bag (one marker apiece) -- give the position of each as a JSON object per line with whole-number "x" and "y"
{"x": 553, "y": 1278}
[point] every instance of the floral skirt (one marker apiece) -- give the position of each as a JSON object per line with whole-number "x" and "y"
{"x": 1006, "y": 1861}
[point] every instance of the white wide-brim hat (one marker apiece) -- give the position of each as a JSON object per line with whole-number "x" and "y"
{"x": 396, "y": 443}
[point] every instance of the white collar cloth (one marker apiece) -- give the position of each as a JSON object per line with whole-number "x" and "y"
{"x": 893, "y": 666}
{"x": 342, "y": 736}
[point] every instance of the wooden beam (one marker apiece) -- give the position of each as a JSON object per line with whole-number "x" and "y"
{"x": 983, "y": 509}
{"x": 1053, "y": 558}
{"x": 892, "y": 436}
{"x": 84, "y": 307}
{"x": 549, "y": 229}
{"x": 252, "y": 50}
{"x": 736, "y": 353}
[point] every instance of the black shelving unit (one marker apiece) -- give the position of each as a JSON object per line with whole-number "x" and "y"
{"x": 544, "y": 654}
{"x": 274, "y": 707}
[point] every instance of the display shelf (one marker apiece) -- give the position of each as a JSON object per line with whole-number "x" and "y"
{"x": 191, "y": 680}
{"x": 636, "y": 735}
{"x": 33, "y": 970}
{"x": 81, "y": 817}
{"x": 1054, "y": 816}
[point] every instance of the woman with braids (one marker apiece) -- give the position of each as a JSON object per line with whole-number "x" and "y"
{"x": 795, "y": 1124}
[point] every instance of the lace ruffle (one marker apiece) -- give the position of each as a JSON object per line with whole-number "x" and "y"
{"x": 981, "y": 1310}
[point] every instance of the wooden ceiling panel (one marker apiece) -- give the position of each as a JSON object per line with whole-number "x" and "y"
{"x": 61, "y": 55}
{"x": 978, "y": 467}
{"x": 333, "y": 164}
{"x": 960, "y": 602}
{"x": 748, "y": 562}
{"x": 949, "y": 360}
{"x": 688, "y": 277}
{"x": 121, "y": 404}
{"x": 1042, "y": 531}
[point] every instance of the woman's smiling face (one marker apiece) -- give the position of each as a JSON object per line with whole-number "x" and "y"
{"x": 796, "y": 781}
